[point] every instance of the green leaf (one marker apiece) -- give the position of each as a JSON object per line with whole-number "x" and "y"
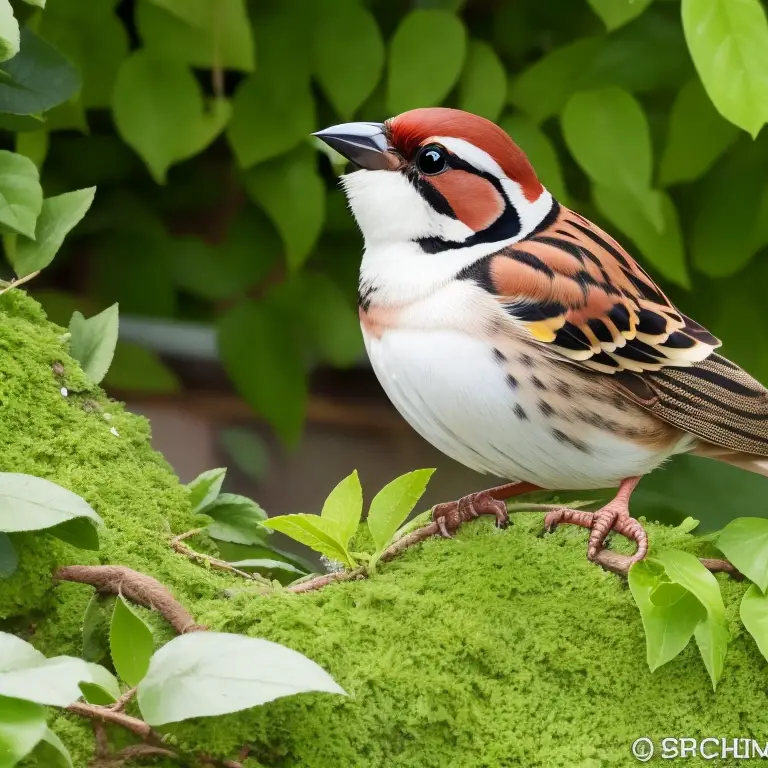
{"x": 247, "y": 449}
{"x": 324, "y": 536}
{"x": 426, "y": 57}
{"x": 237, "y": 519}
{"x": 21, "y": 196}
{"x": 26, "y": 674}
{"x": 96, "y": 43}
{"x": 80, "y": 533}
{"x": 292, "y": 193}
{"x": 52, "y": 752}
{"x": 137, "y": 369}
{"x": 9, "y": 560}
{"x": 540, "y": 151}
{"x": 697, "y": 136}
{"x": 239, "y": 552}
{"x": 348, "y": 53}
{"x": 33, "y": 145}
{"x": 30, "y": 503}
{"x": 272, "y": 112}
{"x": 754, "y": 614}
{"x": 664, "y": 250}
{"x": 268, "y": 567}
{"x": 58, "y": 216}
{"x": 712, "y": 633}
{"x": 744, "y": 542}
{"x": 344, "y": 506}
{"x": 203, "y": 674}
{"x": 722, "y": 242}
{"x": 103, "y": 688}
{"x": 393, "y": 503}
{"x": 608, "y": 135}
{"x": 9, "y": 32}
{"x": 205, "y": 488}
{"x": 36, "y": 79}
{"x": 669, "y": 625}
{"x": 93, "y": 341}
{"x": 728, "y": 40}
{"x": 22, "y": 725}
{"x": 276, "y": 387}
{"x": 96, "y": 624}
{"x": 616, "y": 13}
{"x": 483, "y": 84}
{"x": 130, "y": 640}
{"x": 202, "y": 33}
{"x": 159, "y": 111}
{"x": 543, "y": 89}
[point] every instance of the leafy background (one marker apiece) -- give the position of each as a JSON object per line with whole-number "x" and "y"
{"x": 215, "y": 207}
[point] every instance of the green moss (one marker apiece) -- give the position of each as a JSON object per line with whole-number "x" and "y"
{"x": 498, "y": 648}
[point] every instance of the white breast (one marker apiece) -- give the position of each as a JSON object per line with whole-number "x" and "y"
{"x": 454, "y": 393}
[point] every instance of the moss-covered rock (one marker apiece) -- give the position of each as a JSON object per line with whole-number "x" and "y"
{"x": 495, "y": 649}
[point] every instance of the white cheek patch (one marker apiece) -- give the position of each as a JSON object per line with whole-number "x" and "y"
{"x": 389, "y": 209}
{"x": 469, "y": 153}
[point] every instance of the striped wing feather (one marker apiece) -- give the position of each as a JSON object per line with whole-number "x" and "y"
{"x": 579, "y": 293}
{"x": 575, "y": 289}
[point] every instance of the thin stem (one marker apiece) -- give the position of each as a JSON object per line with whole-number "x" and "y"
{"x": 108, "y": 715}
{"x": 20, "y": 281}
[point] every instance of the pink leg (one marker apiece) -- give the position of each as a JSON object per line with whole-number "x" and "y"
{"x": 450, "y": 515}
{"x": 614, "y": 516}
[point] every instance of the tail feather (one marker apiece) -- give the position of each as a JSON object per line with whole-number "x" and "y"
{"x": 747, "y": 461}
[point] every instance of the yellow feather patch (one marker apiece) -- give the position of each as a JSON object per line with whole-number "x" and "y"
{"x": 541, "y": 331}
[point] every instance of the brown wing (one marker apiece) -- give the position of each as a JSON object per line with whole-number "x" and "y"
{"x": 578, "y": 292}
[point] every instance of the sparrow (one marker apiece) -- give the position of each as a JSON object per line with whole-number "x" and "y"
{"x": 521, "y": 339}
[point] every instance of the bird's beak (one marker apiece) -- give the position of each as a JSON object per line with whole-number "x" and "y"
{"x": 364, "y": 144}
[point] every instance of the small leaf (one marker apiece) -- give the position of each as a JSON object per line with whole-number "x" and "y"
{"x": 744, "y": 542}
{"x": 37, "y": 78}
{"x": 137, "y": 369}
{"x": 754, "y": 614}
{"x": 723, "y": 231}
{"x": 34, "y": 145}
{"x": 266, "y": 566}
{"x": 292, "y": 193}
{"x": 711, "y": 635}
{"x": 93, "y": 341}
{"x": 58, "y": 216}
{"x": 616, "y": 13}
{"x": 204, "y": 489}
{"x": 347, "y": 32}
{"x": 102, "y": 688}
{"x": 247, "y": 449}
{"x": 80, "y": 533}
{"x": 664, "y": 250}
{"x": 277, "y": 386}
{"x": 21, "y": 196}
{"x": 9, "y": 31}
{"x": 96, "y": 623}
{"x": 273, "y": 111}
{"x": 608, "y": 135}
{"x": 321, "y": 535}
{"x": 543, "y": 89}
{"x": 236, "y": 519}
{"x": 131, "y": 642}
{"x": 728, "y": 40}
{"x": 540, "y": 151}
{"x": 483, "y": 83}
{"x": 668, "y": 627}
{"x": 393, "y": 503}
{"x": 22, "y": 725}
{"x": 203, "y": 674}
{"x": 212, "y": 33}
{"x": 697, "y": 136}
{"x": 52, "y": 752}
{"x": 344, "y": 506}
{"x": 31, "y": 503}
{"x": 425, "y": 59}
{"x": 9, "y": 560}
{"x": 159, "y": 111}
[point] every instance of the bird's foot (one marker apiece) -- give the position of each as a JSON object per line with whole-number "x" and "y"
{"x": 450, "y": 515}
{"x": 614, "y": 516}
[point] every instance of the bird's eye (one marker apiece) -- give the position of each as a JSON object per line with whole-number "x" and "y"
{"x": 432, "y": 160}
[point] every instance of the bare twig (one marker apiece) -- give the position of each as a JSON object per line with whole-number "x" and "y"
{"x": 620, "y": 564}
{"x": 177, "y": 543}
{"x": 20, "y": 281}
{"x": 122, "y": 702}
{"x": 107, "y": 715}
{"x": 136, "y": 587}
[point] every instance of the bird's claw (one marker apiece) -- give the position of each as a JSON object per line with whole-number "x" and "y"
{"x": 449, "y": 516}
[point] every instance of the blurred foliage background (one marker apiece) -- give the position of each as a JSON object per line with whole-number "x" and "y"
{"x": 215, "y": 209}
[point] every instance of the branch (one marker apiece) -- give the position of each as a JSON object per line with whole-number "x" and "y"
{"x": 136, "y": 587}
{"x": 620, "y": 564}
{"x": 108, "y": 715}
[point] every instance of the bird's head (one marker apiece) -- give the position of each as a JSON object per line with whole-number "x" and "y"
{"x": 443, "y": 178}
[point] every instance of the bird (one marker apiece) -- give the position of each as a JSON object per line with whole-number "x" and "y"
{"x": 521, "y": 339}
